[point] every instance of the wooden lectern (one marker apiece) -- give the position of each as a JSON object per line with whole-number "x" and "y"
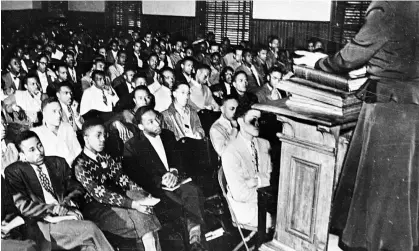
{"x": 312, "y": 152}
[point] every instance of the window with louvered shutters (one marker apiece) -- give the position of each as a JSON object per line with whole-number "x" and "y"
{"x": 348, "y": 19}
{"x": 228, "y": 19}
{"x": 124, "y": 14}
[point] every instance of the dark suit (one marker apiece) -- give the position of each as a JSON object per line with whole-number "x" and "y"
{"x": 247, "y": 97}
{"x": 28, "y": 197}
{"x": 132, "y": 61}
{"x": 220, "y": 87}
{"x": 8, "y": 82}
{"x": 110, "y": 60}
{"x": 144, "y": 166}
{"x": 261, "y": 68}
{"x": 120, "y": 86}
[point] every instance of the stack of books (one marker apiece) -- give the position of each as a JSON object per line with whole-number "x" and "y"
{"x": 325, "y": 93}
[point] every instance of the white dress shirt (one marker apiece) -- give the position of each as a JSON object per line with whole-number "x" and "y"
{"x": 49, "y": 198}
{"x": 44, "y": 81}
{"x": 57, "y": 55}
{"x": 92, "y": 99}
{"x": 23, "y": 64}
{"x": 73, "y": 74}
{"x": 64, "y": 144}
{"x": 31, "y": 105}
{"x": 139, "y": 61}
{"x": 162, "y": 96}
{"x": 158, "y": 146}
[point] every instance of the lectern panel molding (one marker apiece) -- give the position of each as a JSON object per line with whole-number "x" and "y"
{"x": 307, "y": 144}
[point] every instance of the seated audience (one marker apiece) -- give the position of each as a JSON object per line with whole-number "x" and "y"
{"x": 254, "y": 80}
{"x": 224, "y": 129}
{"x": 69, "y": 106}
{"x": 9, "y": 153}
{"x": 272, "y": 55}
{"x": 26, "y": 104}
{"x": 73, "y": 74}
{"x": 200, "y": 94}
{"x": 135, "y": 59}
{"x": 141, "y": 97}
{"x": 98, "y": 65}
{"x": 168, "y": 77}
{"x": 234, "y": 58}
{"x": 45, "y": 75}
{"x": 123, "y": 84}
{"x": 112, "y": 54}
{"x": 180, "y": 118}
{"x": 99, "y": 96}
{"x": 117, "y": 69}
{"x": 246, "y": 163}
{"x": 240, "y": 89}
{"x": 271, "y": 90}
{"x": 187, "y": 67}
{"x": 260, "y": 63}
{"x": 153, "y": 150}
{"x": 176, "y": 56}
{"x": 215, "y": 65}
{"x": 162, "y": 94}
{"x": 12, "y": 78}
{"x": 42, "y": 188}
{"x": 61, "y": 72}
{"x": 151, "y": 70}
{"x": 109, "y": 202}
{"x": 57, "y": 137}
{"x": 225, "y": 87}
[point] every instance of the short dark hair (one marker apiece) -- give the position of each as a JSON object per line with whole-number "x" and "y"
{"x": 141, "y": 111}
{"x": 178, "y": 84}
{"x": 60, "y": 64}
{"x": 247, "y": 51}
{"x": 227, "y": 98}
{"x": 47, "y": 101}
{"x": 203, "y": 67}
{"x": 66, "y": 53}
{"x": 272, "y": 38}
{"x": 215, "y": 54}
{"x": 187, "y": 59}
{"x": 262, "y": 48}
{"x": 30, "y": 75}
{"x": 121, "y": 52}
{"x": 64, "y": 84}
{"x": 166, "y": 68}
{"x": 242, "y": 109}
{"x": 153, "y": 55}
{"x": 97, "y": 72}
{"x": 279, "y": 68}
{"x": 91, "y": 122}
{"x": 238, "y": 73}
{"x": 40, "y": 56}
{"x": 238, "y": 48}
{"x": 129, "y": 68}
{"x": 99, "y": 58}
{"x": 25, "y": 135}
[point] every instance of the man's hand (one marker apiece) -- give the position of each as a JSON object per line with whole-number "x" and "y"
{"x": 169, "y": 179}
{"x": 108, "y": 89}
{"x": 59, "y": 210}
{"x": 309, "y": 58}
{"x": 252, "y": 182}
{"x": 76, "y": 213}
{"x": 123, "y": 131}
{"x": 140, "y": 208}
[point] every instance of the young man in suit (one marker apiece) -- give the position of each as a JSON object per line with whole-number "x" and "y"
{"x": 69, "y": 106}
{"x": 12, "y": 77}
{"x": 253, "y": 78}
{"x": 153, "y": 150}
{"x": 247, "y": 166}
{"x": 117, "y": 69}
{"x": 224, "y": 129}
{"x": 124, "y": 84}
{"x": 42, "y": 187}
{"x": 240, "y": 91}
{"x": 271, "y": 91}
{"x": 45, "y": 75}
{"x": 112, "y": 53}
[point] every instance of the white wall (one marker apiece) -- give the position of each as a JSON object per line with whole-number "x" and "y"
{"x": 19, "y": 5}
{"x": 184, "y": 8}
{"x": 88, "y": 6}
{"x": 297, "y": 10}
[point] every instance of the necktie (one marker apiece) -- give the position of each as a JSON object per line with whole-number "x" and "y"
{"x": 45, "y": 181}
{"x": 73, "y": 77}
{"x": 105, "y": 100}
{"x": 255, "y": 155}
{"x": 70, "y": 118}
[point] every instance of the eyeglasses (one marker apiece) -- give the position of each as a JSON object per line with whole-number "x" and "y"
{"x": 43, "y": 63}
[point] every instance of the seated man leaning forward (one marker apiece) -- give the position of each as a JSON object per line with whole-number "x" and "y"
{"x": 115, "y": 203}
{"x": 153, "y": 150}
{"x": 247, "y": 166}
{"x": 42, "y": 188}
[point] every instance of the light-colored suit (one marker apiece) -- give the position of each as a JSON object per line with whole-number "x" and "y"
{"x": 238, "y": 167}
{"x": 221, "y": 134}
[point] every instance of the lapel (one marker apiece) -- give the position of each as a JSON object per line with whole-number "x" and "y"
{"x": 55, "y": 179}
{"x": 33, "y": 181}
{"x": 245, "y": 157}
{"x": 154, "y": 157}
{"x": 176, "y": 119}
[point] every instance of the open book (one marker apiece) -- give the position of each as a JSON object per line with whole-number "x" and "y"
{"x": 146, "y": 199}
{"x": 180, "y": 182}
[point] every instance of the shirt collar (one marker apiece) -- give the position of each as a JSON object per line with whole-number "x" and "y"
{"x": 150, "y": 138}
{"x": 180, "y": 109}
{"x": 90, "y": 154}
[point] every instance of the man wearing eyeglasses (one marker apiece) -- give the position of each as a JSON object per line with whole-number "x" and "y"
{"x": 247, "y": 166}
{"x": 45, "y": 75}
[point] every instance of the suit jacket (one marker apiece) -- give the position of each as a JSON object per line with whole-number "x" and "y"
{"x": 142, "y": 163}
{"x": 248, "y": 97}
{"x": 49, "y": 79}
{"x": 238, "y": 167}
{"x": 261, "y": 68}
{"x": 27, "y": 190}
{"x": 221, "y": 135}
{"x": 173, "y": 122}
{"x": 253, "y": 85}
{"x": 264, "y": 95}
{"x": 8, "y": 81}
{"x": 271, "y": 60}
{"x": 109, "y": 58}
{"x": 132, "y": 61}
